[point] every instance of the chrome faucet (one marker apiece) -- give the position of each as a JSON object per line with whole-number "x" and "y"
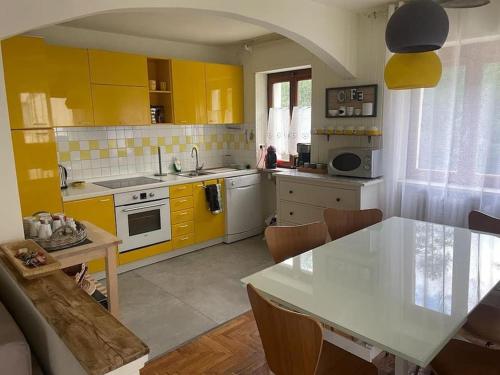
{"x": 194, "y": 150}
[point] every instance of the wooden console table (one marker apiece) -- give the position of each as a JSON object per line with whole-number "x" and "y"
{"x": 103, "y": 245}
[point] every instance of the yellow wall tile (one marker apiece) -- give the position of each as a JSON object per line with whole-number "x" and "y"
{"x": 122, "y": 152}
{"x": 130, "y": 142}
{"x": 85, "y": 155}
{"x": 94, "y": 145}
{"x": 175, "y": 140}
{"x": 208, "y": 146}
{"x": 74, "y": 145}
{"x": 138, "y": 151}
{"x": 104, "y": 154}
{"x": 169, "y": 148}
{"x": 220, "y": 145}
{"x": 64, "y": 156}
{"x": 146, "y": 141}
{"x": 182, "y": 148}
{"x": 189, "y": 139}
{"x": 112, "y": 143}
{"x": 161, "y": 141}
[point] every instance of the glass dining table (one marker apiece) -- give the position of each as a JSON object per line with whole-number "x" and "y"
{"x": 402, "y": 286}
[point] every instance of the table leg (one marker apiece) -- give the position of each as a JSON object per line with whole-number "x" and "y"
{"x": 402, "y": 366}
{"x": 112, "y": 281}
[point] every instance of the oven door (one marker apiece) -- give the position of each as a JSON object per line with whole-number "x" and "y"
{"x": 143, "y": 224}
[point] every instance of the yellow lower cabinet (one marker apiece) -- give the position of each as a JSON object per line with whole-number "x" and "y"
{"x": 207, "y": 226}
{"x": 183, "y": 241}
{"x": 178, "y": 191}
{"x": 179, "y": 204}
{"x": 182, "y": 229}
{"x": 98, "y": 211}
{"x": 146, "y": 252}
{"x": 182, "y": 216}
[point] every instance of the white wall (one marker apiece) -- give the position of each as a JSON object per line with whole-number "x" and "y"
{"x": 11, "y": 222}
{"x": 285, "y": 53}
{"x": 83, "y": 38}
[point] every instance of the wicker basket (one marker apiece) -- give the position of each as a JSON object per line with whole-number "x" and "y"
{"x": 64, "y": 237}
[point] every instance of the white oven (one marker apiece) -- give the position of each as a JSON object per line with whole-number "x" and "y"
{"x": 142, "y": 218}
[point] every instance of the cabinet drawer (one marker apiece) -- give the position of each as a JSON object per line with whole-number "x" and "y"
{"x": 182, "y": 229}
{"x": 299, "y": 213}
{"x": 181, "y": 190}
{"x": 322, "y": 196}
{"x": 182, "y": 216}
{"x": 183, "y": 241}
{"x": 179, "y": 204}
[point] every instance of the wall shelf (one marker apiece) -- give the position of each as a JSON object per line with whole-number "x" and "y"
{"x": 328, "y": 135}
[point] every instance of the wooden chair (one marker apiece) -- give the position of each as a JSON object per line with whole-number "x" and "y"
{"x": 293, "y": 343}
{"x": 343, "y": 222}
{"x": 483, "y": 324}
{"x": 463, "y": 358}
{"x": 286, "y": 242}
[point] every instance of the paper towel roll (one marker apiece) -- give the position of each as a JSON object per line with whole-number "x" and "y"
{"x": 367, "y": 109}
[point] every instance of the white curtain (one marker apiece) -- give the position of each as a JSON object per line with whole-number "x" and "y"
{"x": 442, "y": 145}
{"x": 285, "y": 134}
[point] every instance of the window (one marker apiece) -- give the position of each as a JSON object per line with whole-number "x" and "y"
{"x": 455, "y": 127}
{"x": 289, "y": 108}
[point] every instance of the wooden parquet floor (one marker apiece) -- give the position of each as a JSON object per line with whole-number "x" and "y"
{"x": 233, "y": 348}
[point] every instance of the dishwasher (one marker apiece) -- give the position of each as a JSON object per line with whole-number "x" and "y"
{"x": 243, "y": 207}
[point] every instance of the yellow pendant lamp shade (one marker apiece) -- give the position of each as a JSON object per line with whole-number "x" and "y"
{"x": 413, "y": 70}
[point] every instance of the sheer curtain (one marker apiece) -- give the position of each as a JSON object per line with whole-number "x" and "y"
{"x": 442, "y": 145}
{"x": 284, "y": 134}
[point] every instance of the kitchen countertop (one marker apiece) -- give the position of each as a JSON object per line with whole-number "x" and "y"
{"x": 339, "y": 180}
{"x": 90, "y": 190}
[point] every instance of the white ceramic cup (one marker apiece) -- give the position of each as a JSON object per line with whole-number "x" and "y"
{"x": 342, "y": 110}
{"x": 350, "y": 111}
{"x": 357, "y": 111}
{"x": 333, "y": 112}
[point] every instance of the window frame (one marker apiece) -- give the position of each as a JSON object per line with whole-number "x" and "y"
{"x": 291, "y": 76}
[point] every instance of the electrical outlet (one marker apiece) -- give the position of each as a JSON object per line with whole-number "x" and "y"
{"x": 261, "y": 147}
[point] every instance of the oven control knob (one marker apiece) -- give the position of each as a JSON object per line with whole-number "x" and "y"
{"x": 367, "y": 167}
{"x": 151, "y": 195}
{"x": 368, "y": 160}
{"x": 135, "y": 196}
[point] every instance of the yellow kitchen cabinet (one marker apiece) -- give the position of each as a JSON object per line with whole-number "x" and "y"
{"x": 182, "y": 229}
{"x": 116, "y": 68}
{"x": 207, "y": 226}
{"x": 99, "y": 211}
{"x": 182, "y": 216}
{"x": 120, "y": 105}
{"x": 26, "y": 82}
{"x": 182, "y": 203}
{"x": 189, "y": 92}
{"x": 183, "y": 241}
{"x": 183, "y": 190}
{"x": 69, "y": 81}
{"x": 143, "y": 253}
{"x": 35, "y": 156}
{"x": 224, "y": 85}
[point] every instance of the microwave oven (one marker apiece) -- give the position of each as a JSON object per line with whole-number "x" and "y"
{"x": 355, "y": 162}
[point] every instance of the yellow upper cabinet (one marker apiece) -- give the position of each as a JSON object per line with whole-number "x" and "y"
{"x": 120, "y": 105}
{"x": 224, "y": 93}
{"x": 69, "y": 80}
{"x": 189, "y": 92}
{"x": 116, "y": 68}
{"x": 27, "y": 86}
{"x": 36, "y": 169}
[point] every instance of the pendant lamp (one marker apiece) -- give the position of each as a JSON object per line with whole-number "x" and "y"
{"x": 417, "y": 26}
{"x": 413, "y": 70}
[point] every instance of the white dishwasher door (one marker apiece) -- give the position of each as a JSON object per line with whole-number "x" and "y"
{"x": 244, "y": 207}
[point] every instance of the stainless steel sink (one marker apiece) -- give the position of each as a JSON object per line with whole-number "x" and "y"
{"x": 192, "y": 173}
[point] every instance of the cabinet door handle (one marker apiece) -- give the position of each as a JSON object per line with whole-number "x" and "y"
{"x": 183, "y": 226}
{"x": 183, "y": 201}
{"x": 104, "y": 200}
{"x": 338, "y": 199}
{"x": 182, "y": 213}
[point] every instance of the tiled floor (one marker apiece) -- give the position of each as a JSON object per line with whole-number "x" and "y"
{"x": 173, "y": 301}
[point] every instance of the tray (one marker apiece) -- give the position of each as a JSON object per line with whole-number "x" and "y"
{"x": 29, "y": 273}
{"x": 64, "y": 238}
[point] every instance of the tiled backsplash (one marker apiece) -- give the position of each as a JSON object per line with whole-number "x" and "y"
{"x": 111, "y": 151}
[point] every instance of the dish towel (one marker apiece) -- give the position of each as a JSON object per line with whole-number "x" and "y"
{"x": 214, "y": 198}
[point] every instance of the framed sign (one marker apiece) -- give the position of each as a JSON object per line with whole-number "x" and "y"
{"x": 351, "y": 101}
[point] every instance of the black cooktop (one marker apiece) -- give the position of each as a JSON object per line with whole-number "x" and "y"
{"x": 127, "y": 182}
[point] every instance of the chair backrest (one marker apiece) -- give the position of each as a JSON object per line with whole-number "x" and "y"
{"x": 288, "y": 241}
{"x": 292, "y": 342}
{"x": 343, "y": 222}
{"x": 483, "y": 222}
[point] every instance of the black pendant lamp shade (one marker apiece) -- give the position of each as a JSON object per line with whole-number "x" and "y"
{"x": 417, "y": 26}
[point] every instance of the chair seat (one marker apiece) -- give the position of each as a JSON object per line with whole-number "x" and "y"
{"x": 334, "y": 360}
{"x": 462, "y": 358}
{"x": 484, "y": 322}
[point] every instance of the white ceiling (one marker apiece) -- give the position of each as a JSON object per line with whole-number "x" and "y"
{"x": 181, "y": 25}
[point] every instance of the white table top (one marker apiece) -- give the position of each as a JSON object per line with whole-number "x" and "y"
{"x": 402, "y": 285}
